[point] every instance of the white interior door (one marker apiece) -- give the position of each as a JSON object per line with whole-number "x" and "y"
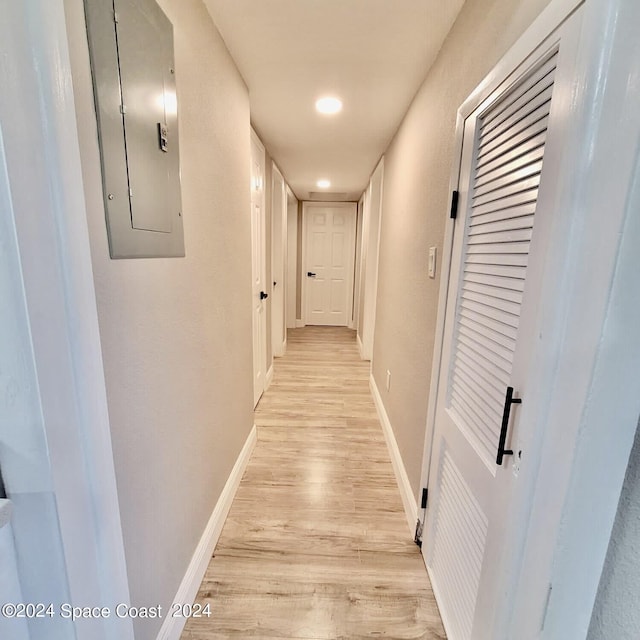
{"x": 329, "y": 253}
{"x": 258, "y": 268}
{"x": 32, "y": 562}
{"x": 278, "y": 261}
{"x": 497, "y": 264}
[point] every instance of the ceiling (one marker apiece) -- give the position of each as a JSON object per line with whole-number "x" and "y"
{"x": 372, "y": 54}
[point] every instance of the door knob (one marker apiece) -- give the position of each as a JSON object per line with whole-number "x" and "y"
{"x": 263, "y": 295}
{"x": 310, "y": 274}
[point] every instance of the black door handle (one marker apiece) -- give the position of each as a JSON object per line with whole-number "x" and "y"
{"x": 506, "y": 412}
{"x": 310, "y": 274}
{"x": 263, "y": 295}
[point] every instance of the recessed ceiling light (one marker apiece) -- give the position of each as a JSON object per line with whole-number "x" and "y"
{"x": 329, "y": 105}
{"x": 323, "y": 184}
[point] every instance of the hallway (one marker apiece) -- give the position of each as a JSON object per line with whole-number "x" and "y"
{"x": 316, "y": 543}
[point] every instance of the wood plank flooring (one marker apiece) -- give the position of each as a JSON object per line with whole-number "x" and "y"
{"x": 316, "y": 544}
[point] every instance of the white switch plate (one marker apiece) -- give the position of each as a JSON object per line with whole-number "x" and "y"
{"x": 432, "y": 262}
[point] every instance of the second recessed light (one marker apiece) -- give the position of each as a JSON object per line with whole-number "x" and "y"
{"x": 329, "y": 105}
{"x": 323, "y": 184}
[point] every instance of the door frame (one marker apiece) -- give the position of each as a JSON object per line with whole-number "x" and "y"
{"x": 57, "y": 275}
{"x": 278, "y": 262}
{"x": 292, "y": 258}
{"x": 559, "y": 562}
{"x": 306, "y": 206}
{"x": 372, "y": 228}
{"x": 357, "y": 290}
{"x": 262, "y": 266}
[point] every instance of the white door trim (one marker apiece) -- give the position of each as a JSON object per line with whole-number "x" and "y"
{"x": 593, "y": 399}
{"x": 263, "y": 266}
{"x": 278, "y": 263}
{"x": 562, "y": 476}
{"x": 61, "y": 305}
{"x": 350, "y": 268}
{"x": 357, "y": 293}
{"x": 292, "y": 258}
{"x": 373, "y": 214}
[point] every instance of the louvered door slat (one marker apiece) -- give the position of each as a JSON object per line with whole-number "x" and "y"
{"x": 517, "y": 200}
{"x": 488, "y": 393}
{"x": 499, "y": 227}
{"x": 509, "y": 332}
{"x": 511, "y": 166}
{"x": 490, "y": 312}
{"x": 511, "y": 145}
{"x": 504, "y": 179}
{"x": 511, "y": 134}
{"x": 492, "y": 301}
{"x": 487, "y": 333}
{"x": 481, "y": 337}
{"x": 496, "y": 270}
{"x": 535, "y": 105}
{"x": 493, "y": 291}
{"x": 487, "y": 357}
{"x": 507, "y": 260}
{"x": 466, "y": 404}
{"x": 472, "y": 364}
{"x": 515, "y": 284}
{"x": 519, "y": 234}
{"x": 503, "y": 215}
{"x": 479, "y": 431}
{"x": 495, "y": 248}
{"x": 544, "y": 73}
{"x": 474, "y": 527}
{"x": 532, "y": 144}
{"x": 504, "y": 192}
{"x": 501, "y": 224}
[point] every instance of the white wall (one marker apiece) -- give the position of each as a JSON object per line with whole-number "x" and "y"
{"x": 415, "y": 207}
{"x": 176, "y": 333}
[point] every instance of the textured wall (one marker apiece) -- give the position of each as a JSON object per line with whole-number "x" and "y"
{"x": 416, "y": 177}
{"x": 176, "y": 333}
{"x": 616, "y": 613}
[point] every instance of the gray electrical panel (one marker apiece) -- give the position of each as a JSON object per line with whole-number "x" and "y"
{"x": 131, "y": 46}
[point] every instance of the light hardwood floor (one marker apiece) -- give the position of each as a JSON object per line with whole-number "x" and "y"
{"x": 316, "y": 544}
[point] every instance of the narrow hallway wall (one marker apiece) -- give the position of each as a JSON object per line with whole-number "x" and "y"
{"x": 415, "y": 207}
{"x": 176, "y": 333}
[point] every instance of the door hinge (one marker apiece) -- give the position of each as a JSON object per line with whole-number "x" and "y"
{"x": 454, "y": 205}
{"x": 418, "y": 536}
{"x": 425, "y": 497}
{"x": 115, "y": 17}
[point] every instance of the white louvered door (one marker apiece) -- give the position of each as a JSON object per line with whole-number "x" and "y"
{"x": 497, "y": 250}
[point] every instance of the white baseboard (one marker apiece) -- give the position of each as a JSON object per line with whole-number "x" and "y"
{"x": 269, "y": 377}
{"x": 299, "y": 323}
{"x": 360, "y": 346}
{"x": 408, "y": 499}
{"x": 188, "y": 590}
